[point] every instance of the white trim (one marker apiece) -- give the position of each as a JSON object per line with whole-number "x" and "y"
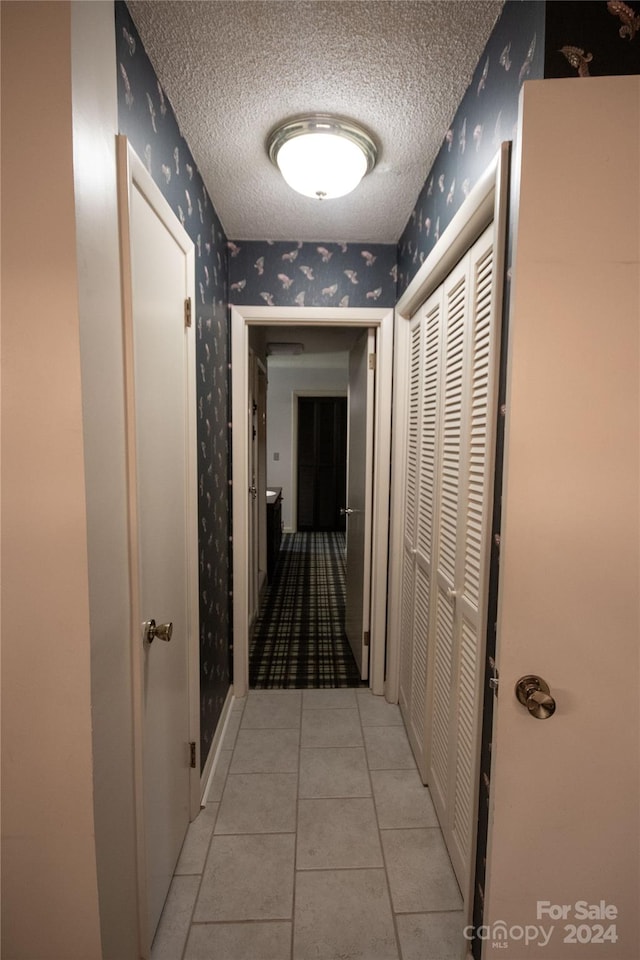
{"x": 209, "y": 772}
{"x": 132, "y": 174}
{"x": 242, "y": 317}
{"x": 486, "y": 202}
{"x": 396, "y": 532}
{"x": 124, "y": 187}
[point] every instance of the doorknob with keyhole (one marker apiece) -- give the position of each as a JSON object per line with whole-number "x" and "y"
{"x": 533, "y": 692}
{"x": 163, "y": 631}
{"x": 346, "y": 511}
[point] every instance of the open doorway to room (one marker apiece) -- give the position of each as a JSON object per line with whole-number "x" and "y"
{"x": 373, "y": 331}
{"x": 297, "y": 634}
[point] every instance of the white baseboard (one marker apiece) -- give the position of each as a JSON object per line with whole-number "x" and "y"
{"x": 212, "y": 757}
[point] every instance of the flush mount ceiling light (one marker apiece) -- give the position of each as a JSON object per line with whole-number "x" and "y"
{"x": 321, "y": 156}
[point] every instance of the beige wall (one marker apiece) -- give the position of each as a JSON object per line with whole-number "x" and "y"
{"x": 95, "y": 119}
{"x": 49, "y": 886}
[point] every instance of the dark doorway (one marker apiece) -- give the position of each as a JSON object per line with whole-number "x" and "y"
{"x": 322, "y": 463}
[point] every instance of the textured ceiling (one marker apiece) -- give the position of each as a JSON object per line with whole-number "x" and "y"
{"x": 233, "y": 69}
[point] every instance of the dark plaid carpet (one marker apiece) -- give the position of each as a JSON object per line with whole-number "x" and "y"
{"x": 298, "y": 638}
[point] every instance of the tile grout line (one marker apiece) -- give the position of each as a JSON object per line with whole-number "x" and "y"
{"x": 295, "y": 839}
{"x": 213, "y": 831}
{"x": 384, "y": 859}
{"x": 297, "y": 871}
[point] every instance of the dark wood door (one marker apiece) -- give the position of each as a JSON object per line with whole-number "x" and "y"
{"x": 322, "y": 462}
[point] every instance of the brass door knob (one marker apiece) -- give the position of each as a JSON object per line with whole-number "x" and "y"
{"x": 151, "y": 630}
{"x": 533, "y": 692}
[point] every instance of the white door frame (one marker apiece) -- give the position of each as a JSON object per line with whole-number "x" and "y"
{"x": 381, "y": 319}
{"x": 133, "y": 175}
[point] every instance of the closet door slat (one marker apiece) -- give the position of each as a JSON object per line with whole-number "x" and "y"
{"x": 448, "y": 496}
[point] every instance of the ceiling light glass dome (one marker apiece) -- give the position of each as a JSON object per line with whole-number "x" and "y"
{"x": 321, "y": 156}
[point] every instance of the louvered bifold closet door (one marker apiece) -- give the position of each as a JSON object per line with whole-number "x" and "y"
{"x": 441, "y": 660}
{"x": 462, "y": 511}
{"x": 410, "y": 513}
{"x": 426, "y": 513}
{"x": 409, "y": 539}
{"x": 474, "y": 530}
{"x": 420, "y": 484}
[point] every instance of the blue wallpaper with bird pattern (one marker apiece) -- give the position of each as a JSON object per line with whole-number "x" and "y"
{"x": 530, "y": 41}
{"x": 290, "y": 274}
{"x": 145, "y": 116}
{"x": 487, "y": 115}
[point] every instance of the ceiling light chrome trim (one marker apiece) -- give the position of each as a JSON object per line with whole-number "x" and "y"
{"x": 323, "y": 123}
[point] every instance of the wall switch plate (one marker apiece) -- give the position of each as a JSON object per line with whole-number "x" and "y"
{"x": 276, "y": 456}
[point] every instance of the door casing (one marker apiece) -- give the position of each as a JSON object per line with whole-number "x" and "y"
{"x": 242, "y": 318}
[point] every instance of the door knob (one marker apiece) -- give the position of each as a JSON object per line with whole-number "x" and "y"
{"x": 162, "y": 631}
{"x": 534, "y": 693}
{"x": 345, "y": 511}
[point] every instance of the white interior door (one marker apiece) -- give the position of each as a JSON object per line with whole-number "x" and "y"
{"x": 358, "y": 508}
{"x": 465, "y": 454}
{"x": 262, "y": 475}
{"x": 161, "y": 280}
{"x": 420, "y": 494}
{"x": 563, "y": 863}
{"x": 447, "y": 504}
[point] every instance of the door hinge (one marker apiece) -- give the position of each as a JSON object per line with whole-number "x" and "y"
{"x": 372, "y": 361}
{"x": 192, "y": 754}
{"x": 366, "y": 636}
{"x": 494, "y": 680}
{"x": 187, "y": 312}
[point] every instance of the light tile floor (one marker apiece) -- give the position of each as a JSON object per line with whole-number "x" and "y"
{"x": 318, "y": 842}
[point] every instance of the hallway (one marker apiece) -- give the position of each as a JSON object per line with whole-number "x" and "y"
{"x": 298, "y": 638}
{"x": 318, "y": 841}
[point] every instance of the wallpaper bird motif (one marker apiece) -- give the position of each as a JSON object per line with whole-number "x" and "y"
{"x": 487, "y": 116}
{"x": 530, "y": 41}
{"x": 290, "y": 274}
{"x": 145, "y": 116}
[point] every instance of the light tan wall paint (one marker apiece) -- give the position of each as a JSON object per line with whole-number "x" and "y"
{"x": 95, "y": 122}
{"x": 565, "y": 790}
{"x": 49, "y": 887}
